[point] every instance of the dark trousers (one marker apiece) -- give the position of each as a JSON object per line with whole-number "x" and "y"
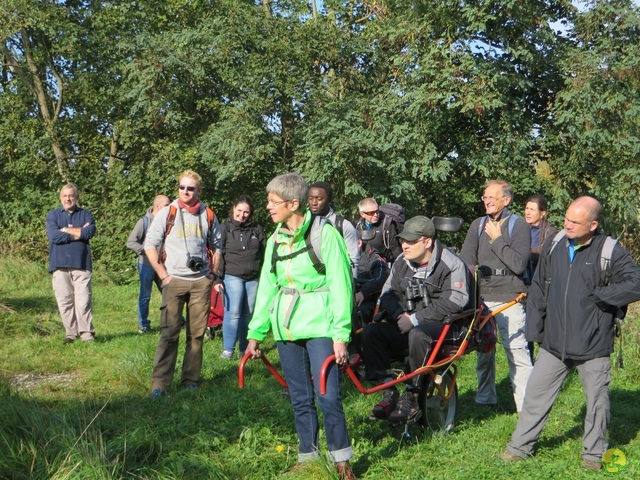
{"x": 381, "y": 342}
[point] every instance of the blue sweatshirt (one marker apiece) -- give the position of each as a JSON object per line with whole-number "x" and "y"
{"x": 64, "y": 251}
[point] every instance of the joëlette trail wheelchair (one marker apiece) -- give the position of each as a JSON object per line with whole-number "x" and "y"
{"x": 438, "y": 397}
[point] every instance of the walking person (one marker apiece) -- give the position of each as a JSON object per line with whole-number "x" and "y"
{"x": 185, "y": 275}
{"x": 571, "y": 309}
{"x": 243, "y": 242}
{"x": 146, "y": 272}
{"x": 498, "y": 244}
{"x": 69, "y": 229}
{"x": 309, "y": 313}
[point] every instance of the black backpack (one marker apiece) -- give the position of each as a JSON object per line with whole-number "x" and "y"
{"x": 395, "y": 213}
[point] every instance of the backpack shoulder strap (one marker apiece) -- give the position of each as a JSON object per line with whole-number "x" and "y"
{"x": 338, "y": 224}
{"x": 210, "y": 216}
{"x": 605, "y": 260}
{"x": 171, "y": 219}
{"x": 513, "y": 218}
{"x": 145, "y": 227}
{"x": 547, "y": 279}
{"x": 481, "y": 225}
{"x": 313, "y": 239}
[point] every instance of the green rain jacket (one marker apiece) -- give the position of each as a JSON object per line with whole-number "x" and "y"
{"x": 316, "y": 305}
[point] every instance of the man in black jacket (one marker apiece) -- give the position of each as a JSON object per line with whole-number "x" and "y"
{"x": 573, "y": 320}
{"x": 385, "y": 240}
{"x": 424, "y": 265}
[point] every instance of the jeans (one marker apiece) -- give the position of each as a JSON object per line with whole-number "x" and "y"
{"x": 147, "y": 278}
{"x": 239, "y": 299}
{"x": 300, "y": 361}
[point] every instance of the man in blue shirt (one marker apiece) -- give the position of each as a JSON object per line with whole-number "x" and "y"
{"x": 69, "y": 229}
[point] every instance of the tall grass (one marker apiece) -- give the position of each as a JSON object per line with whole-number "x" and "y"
{"x": 82, "y": 410}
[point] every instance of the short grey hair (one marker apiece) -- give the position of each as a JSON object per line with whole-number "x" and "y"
{"x": 507, "y": 189}
{"x": 72, "y": 187}
{"x": 290, "y": 186}
{"x": 366, "y": 201}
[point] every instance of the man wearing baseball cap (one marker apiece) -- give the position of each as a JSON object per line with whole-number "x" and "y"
{"x": 428, "y": 282}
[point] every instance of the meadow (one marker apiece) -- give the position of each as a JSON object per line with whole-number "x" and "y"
{"x": 82, "y": 411}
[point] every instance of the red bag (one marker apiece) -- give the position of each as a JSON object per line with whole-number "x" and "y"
{"x": 216, "y": 309}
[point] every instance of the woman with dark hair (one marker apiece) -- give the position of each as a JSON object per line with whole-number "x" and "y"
{"x": 243, "y": 242}
{"x": 308, "y": 310}
{"x": 535, "y": 214}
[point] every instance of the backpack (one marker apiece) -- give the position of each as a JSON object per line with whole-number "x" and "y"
{"x": 313, "y": 243}
{"x": 512, "y": 221}
{"x": 393, "y": 212}
{"x": 605, "y": 278}
{"x": 171, "y": 221}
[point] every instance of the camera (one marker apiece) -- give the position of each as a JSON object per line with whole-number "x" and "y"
{"x": 415, "y": 292}
{"x": 195, "y": 263}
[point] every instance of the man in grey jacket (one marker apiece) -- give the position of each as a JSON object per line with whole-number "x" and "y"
{"x": 185, "y": 276}
{"x": 146, "y": 272}
{"x": 499, "y": 245}
{"x": 571, "y": 309}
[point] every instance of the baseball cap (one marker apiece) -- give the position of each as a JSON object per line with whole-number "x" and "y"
{"x": 417, "y": 227}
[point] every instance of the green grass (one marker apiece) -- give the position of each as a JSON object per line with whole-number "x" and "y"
{"x": 82, "y": 410}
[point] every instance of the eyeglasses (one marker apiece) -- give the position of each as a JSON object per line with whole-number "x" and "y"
{"x": 187, "y": 188}
{"x": 484, "y": 198}
{"x": 275, "y": 204}
{"x": 371, "y": 213}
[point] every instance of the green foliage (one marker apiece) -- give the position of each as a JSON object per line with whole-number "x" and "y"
{"x": 412, "y": 101}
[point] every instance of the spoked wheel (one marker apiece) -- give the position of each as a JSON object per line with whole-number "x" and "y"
{"x": 439, "y": 405}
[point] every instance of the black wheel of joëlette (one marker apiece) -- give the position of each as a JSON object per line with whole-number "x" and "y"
{"x": 439, "y": 409}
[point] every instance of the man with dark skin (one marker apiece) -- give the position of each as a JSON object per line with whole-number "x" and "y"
{"x": 320, "y": 197}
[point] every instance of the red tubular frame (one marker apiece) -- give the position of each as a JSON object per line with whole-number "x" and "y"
{"x": 431, "y": 365}
{"x": 271, "y": 368}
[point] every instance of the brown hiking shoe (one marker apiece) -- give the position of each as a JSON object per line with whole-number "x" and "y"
{"x": 407, "y": 409}
{"x": 591, "y": 465}
{"x": 508, "y": 457}
{"x": 384, "y": 407}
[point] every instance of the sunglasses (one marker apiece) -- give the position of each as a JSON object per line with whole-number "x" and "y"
{"x": 372, "y": 213}
{"x": 187, "y": 188}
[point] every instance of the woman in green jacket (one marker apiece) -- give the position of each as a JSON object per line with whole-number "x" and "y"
{"x": 309, "y": 313}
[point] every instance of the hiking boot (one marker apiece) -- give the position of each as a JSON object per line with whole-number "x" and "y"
{"x": 158, "y": 393}
{"x": 591, "y": 465}
{"x": 144, "y": 330}
{"x": 384, "y": 407}
{"x": 406, "y": 410}
{"x": 226, "y": 354}
{"x": 68, "y": 340}
{"x": 508, "y": 457}
{"x": 191, "y": 386}
{"x": 344, "y": 471}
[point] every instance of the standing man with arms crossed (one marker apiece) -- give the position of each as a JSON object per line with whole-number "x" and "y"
{"x": 184, "y": 274}
{"x": 69, "y": 229}
{"x": 145, "y": 271}
{"x": 499, "y": 244}
{"x": 571, "y": 311}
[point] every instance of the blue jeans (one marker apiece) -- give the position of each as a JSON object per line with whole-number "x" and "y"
{"x": 147, "y": 278}
{"x": 240, "y": 297}
{"x": 300, "y": 361}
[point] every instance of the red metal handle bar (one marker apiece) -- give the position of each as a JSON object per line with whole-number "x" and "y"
{"x": 271, "y": 368}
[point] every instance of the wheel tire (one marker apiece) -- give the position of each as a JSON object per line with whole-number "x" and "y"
{"x": 438, "y": 414}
